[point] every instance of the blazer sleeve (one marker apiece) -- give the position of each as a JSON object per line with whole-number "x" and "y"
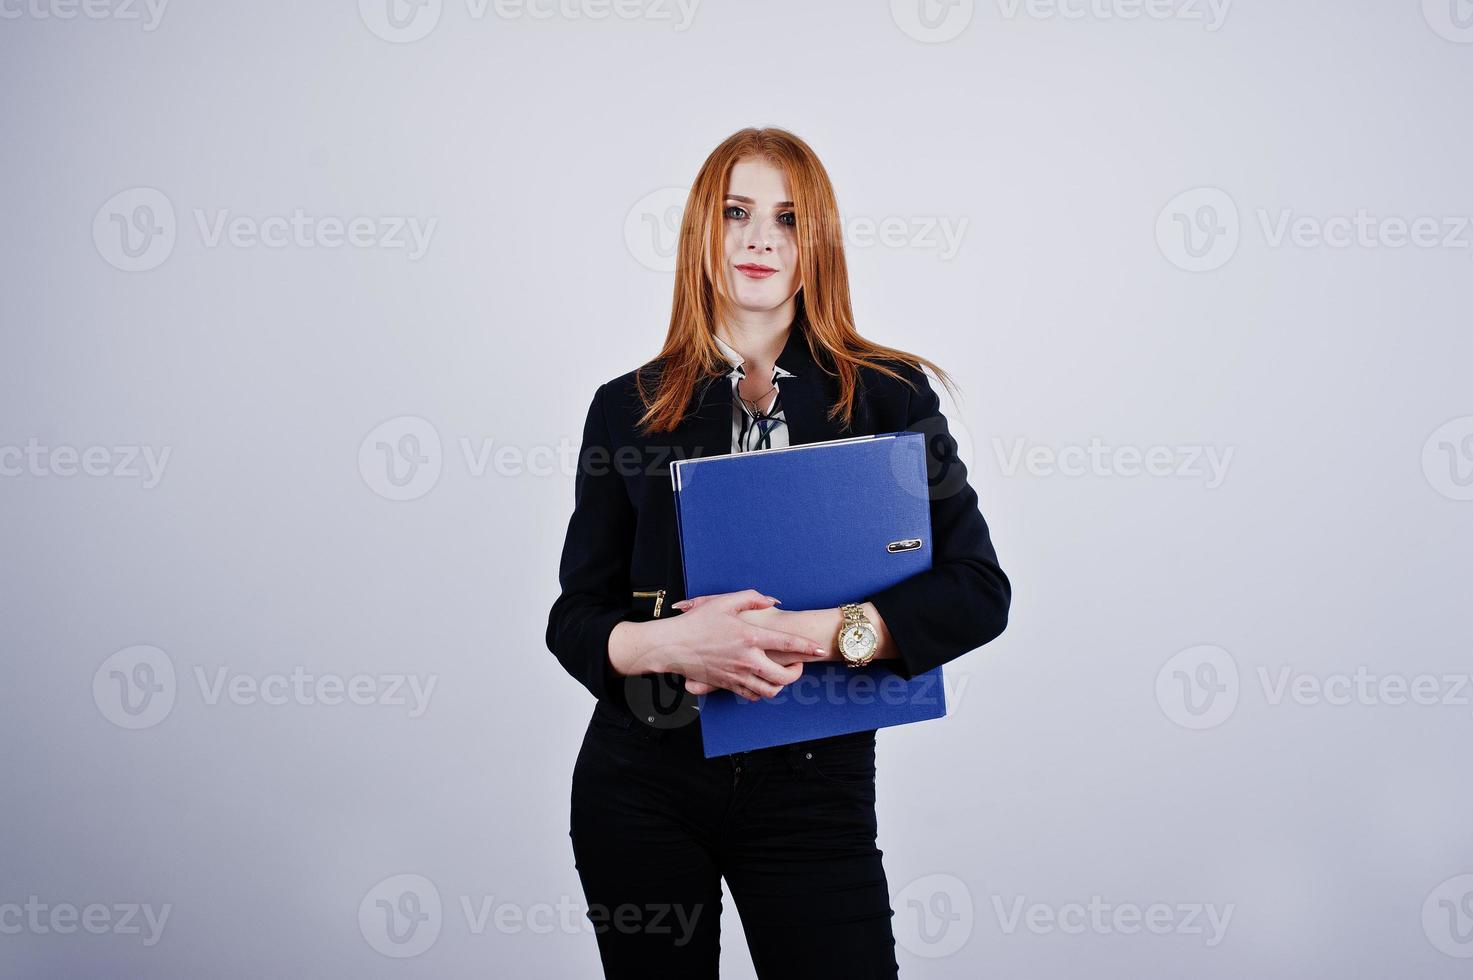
{"x": 962, "y": 601}
{"x": 594, "y": 569}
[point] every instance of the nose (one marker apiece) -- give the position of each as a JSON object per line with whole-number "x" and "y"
{"x": 761, "y": 235}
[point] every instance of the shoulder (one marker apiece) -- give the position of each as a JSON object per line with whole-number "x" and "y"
{"x": 619, "y": 398}
{"x": 907, "y": 381}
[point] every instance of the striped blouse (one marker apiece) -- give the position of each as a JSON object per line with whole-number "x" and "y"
{"x": 765, "y": 429}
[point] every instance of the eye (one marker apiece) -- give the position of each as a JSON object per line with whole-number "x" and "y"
{"x": 788, "y": 218}
{"x": 741, "y": 213}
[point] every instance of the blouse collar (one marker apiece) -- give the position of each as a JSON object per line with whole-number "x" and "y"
{"x": 737, "y": 361}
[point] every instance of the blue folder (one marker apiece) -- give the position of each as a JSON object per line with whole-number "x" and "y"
{"x": 816, "y": 525}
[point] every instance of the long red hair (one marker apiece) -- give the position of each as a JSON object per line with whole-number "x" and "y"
{"x": 701, "y": 299}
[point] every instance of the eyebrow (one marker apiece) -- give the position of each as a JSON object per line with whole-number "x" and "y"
{"x": 748, "y": 200}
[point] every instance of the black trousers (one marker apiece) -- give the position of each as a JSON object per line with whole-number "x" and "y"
{"x": 655, "y": 825}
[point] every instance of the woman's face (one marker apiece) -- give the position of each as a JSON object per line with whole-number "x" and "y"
{"x": 761, "y": 247}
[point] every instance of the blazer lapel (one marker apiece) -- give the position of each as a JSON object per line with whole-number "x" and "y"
{"x": 807, "y": 395}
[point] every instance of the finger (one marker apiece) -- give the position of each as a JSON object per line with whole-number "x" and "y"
{"x": 698, "y": 687}
{"x": 748, "y": 599}
{"x": 788, "y": 672}
{"x": 748, "y": 685}
{"x": 756, "y": 689}
{"x": 775, "y": 673}
{"x": 686, "y": 605}
{"x": 771, "y": 639}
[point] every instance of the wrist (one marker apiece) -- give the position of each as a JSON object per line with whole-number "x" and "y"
{"x": 631, "y": 650}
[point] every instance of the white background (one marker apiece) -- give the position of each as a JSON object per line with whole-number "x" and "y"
{"x": 1069, "y": 144}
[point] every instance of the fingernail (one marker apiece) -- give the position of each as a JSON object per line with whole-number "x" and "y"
{"x": 820, "y": 651}
{"x": 774, "y": 600}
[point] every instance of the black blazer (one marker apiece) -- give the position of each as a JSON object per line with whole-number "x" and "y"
{"x": 622, "y": 550}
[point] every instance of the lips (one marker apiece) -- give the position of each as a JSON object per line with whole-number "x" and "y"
{"x": 754, "y": 271}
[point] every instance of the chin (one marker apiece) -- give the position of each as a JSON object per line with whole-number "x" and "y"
{"x": 758, "y": 297}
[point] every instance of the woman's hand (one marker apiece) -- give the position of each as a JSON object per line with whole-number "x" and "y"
{"x": 723, "y": 641}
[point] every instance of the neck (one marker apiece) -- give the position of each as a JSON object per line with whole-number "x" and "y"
{"x": 759, "y": 337}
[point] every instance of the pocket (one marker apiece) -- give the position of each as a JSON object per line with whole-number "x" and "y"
{"x": 651, "y": 601}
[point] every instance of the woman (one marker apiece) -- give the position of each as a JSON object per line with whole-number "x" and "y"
{"x": 761, "y": 353}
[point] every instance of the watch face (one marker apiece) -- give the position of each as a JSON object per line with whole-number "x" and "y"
{"x": 858, "y": 642}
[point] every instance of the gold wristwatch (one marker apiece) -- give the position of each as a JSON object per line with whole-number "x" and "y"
{"x": 857, "y": 636}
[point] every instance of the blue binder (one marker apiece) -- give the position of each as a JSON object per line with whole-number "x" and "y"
{"x": 816, "y": 525}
